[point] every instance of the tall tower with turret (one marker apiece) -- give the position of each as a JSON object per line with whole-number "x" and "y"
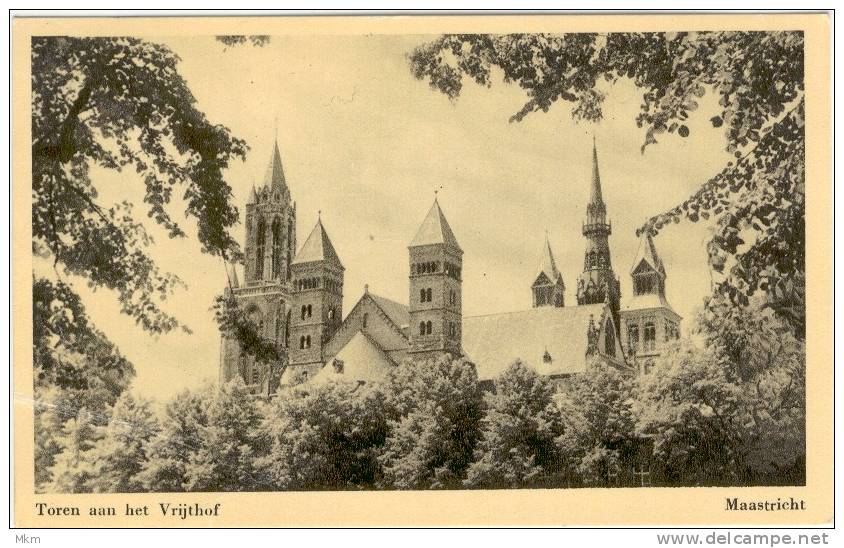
{"x": 648, "y": 322}
{"x": 548, "y": 288}
{"x": 317, "y": 278}
{"x": 265, "y": 293}
{"x": 435, "y": 303}
{"x": 598, "y": 283}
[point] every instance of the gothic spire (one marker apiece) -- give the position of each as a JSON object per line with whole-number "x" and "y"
{"x": 547, "y": 265}
{"x": 595, "y": 196}
{"x": 274, "y": 177}
{"x": 647, "y": 254}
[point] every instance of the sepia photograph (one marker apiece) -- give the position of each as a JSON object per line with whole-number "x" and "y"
{"x": 356, "y": 258}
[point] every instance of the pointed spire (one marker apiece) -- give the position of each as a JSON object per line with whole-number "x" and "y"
{"x": 253, "y": 195}
{"x": 318, "y": 247}
{"x": 647, "y": 253}
{"x": 274, "y": 177}
{"x": 547, "y": 265}
{"x": 595, "y": 196}
{"x": 435, "y": 230}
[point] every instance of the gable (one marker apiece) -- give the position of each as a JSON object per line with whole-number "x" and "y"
{"x": 380, "y": 329}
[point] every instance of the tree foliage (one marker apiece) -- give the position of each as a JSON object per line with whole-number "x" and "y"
{"x": 119, "y": 103}
{"x": 120, "y": 453}
{"x": 520, "y": 434}
{"x": 757, "y": 200}
{"x": 599, "y": 425}
{"x": 732, "y": 412}
{"x": 434, "y": 409}
{"x": 325, "y": 437}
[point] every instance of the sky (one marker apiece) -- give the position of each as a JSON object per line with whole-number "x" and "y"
{"x": 366, "y": 144}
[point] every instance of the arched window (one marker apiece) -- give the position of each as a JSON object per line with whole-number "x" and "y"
{"x": 302, "y": 342}
{"x": 260, "y": 237}
{"x": 290, "y": 243}
{"x": 277, "y": 248}
{"x": 256, "y": 374}
{"x": 308, "y": 341}
{"x": 632, "y": 337}
{"x": 287, "y": 331}
{"x": 421, "y": 328}
{"x": 609, "y": 340}
{"x": 428, "y": 294}
{"x": 279, "y": 322}
{"x": 365, "y": 318}
{"x": 421, "y": 295}
{"x": 331, "y": 314}
{"x": 304, "y": 311}
{"x": 428, "y": 327}
{"x": 650, "y": 337}
{"x": 309, "y": 311}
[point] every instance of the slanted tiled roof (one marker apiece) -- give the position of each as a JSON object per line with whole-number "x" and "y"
{"x": 648, "y": 301}
{"x": 435, "y": 230}
{"x": 647, "y": 252}
{"x": 397, "y": 312}
{"x": 318, "y": 247}
{"x": 362, "y": 360}
{"x": 495, "y": 341}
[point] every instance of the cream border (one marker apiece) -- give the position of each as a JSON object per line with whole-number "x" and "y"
{"x": 657, "y": 506}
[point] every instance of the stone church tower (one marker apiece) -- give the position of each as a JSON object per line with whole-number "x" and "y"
{"x": 598, "y": 283}
{"x": 317, "y": 302}
{"x": 266, "y": 291}
{"x": 648, "y": 322}
{"x": 548, "y": 288}
{"x": 435, "y": 304}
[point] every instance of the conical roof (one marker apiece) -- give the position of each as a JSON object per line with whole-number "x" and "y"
{"x": 547, "y": 265}
{"x": 253, "y": 196}
{"x": 595, "y": 196}
{"x": 647, "y": 252}
{"x": 318, "y": 247}
{"x": 274, "y": 177}
{"x": 435, "y": 230}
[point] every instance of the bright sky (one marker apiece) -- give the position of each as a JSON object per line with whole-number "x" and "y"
{"x": 367, "y": 144}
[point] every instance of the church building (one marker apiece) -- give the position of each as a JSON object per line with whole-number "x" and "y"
{"x": 296, "y": 300}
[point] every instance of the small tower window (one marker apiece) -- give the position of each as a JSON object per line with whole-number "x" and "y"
{"x": 365, "y": 319}
{"x": 429, "y": 294}
{"x": 304, "y": 311}
{"x": 428, "y": 326}
{"x": 309, "y": 311}
{"x": 331, "y": 314}
{"x": 421, "y": 328}
{"x": 421, "y": 295}
{"x": 302, "y": 342}
{"x": 308, "y": 341}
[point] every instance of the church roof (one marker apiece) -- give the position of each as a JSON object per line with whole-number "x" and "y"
{"x": 362, "y": 360}
{"x": 495, "y": 341}
{"x": 595, "y": 196}
{"x": 646, "y": 301}
{"x": 547, "y": 265}
{"x": 397, "y": 312}
{"x": 318, "y": 247}
{"x": 435, "y": 230}
{"x": 274, "y": 177}
{"x": 647, "y": 252}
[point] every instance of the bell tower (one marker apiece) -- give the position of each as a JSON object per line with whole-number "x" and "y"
{"x": 264, "y": 293}
{"x": 435, "y": 304}
{"x": 317, "y": 311}
{"x": 598, "y": 283}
